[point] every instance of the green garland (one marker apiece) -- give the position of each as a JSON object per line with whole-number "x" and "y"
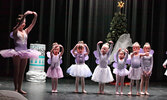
{"x": 118, "y": 26}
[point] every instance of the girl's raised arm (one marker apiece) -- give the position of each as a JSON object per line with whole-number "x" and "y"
{"x": 29, "y": 28}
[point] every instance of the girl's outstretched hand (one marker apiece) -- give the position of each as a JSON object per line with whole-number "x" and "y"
{"x": 111, "y": 42}
{"x": 60, "y": 45}
{"x": 99, "y": 42}
{"x": 28, "y": 12}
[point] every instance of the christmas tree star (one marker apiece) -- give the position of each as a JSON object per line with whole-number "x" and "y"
{"x": 121, "y": 4}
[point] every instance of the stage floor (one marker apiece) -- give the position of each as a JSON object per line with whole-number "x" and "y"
{"x": 42, "y": 91}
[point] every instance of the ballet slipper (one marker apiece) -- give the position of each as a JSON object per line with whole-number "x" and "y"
{"x": 117, "y": 93}
{"x": 52, "y": 91}
{"x": 142, "y": 93}
{"x": 83, "y": 91}
{"x": 102, "y": 92}
{"x": 55, "y": 91}
{"x": 130, "y": 93}
{"x": 147, "y": 93}
{"x": 137, "y": 93}
{"x": 76, "y": 91}
{"x": 121, "y": 93}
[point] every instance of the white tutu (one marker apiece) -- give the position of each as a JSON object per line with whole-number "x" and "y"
{"x": 102, "y": 75}
{"x": 22, "y": 53}
{"x": 165, "y": 73}
{"x": 79, "y": 70}
{"x": 121, "y": 72}
{"x": 135, "y": 73}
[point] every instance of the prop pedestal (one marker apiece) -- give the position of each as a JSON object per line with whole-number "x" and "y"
{"x": 36, "y": 66}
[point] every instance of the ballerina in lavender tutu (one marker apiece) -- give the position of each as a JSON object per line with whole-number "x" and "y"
{"x": 146, "y": 66}
{"x": 120, "y": 68}
{"x": 80, "y": 69}
{"x": 21, "y": 53}
{"x": 54, "y": 71}
{"x": 102, "y": 72}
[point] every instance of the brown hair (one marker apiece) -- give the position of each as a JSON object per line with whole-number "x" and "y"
{"x": 19, "y": 18}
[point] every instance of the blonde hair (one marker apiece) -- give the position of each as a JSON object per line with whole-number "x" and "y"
{"x": 146, "y": 45}
{"x": 54, "y": 44}
{"x": 136, "y": 44}
{"x": 105, "y": 45}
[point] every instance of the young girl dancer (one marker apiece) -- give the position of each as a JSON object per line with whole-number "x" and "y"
{"x": 54, "y": 71}
{"x": 135, "y": 69}
{"x": 146, "y": 65}
{"x": 80, "y": 69}
{"x": 102, "y": 72}
{"x": 164, "y": 65}
{"x": 21, "y": 53}
{"x": 120, "y": 68}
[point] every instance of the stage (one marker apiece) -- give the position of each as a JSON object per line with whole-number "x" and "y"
{"x": 42, "y": 91}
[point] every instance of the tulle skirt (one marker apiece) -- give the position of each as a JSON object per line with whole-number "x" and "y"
{"x": 102, "y": 75}
{"x": 121, "y": 72}
{"x": 135, "y": 73}
{"x": 79, "y": 70}
{"x": 147, "y": 69}
{"x": 29, "y": 53}
{"x": 55, "y": 72}
{"x": 165, "y": 73}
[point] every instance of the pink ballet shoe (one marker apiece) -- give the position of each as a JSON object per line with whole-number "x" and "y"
{"x": 117, "y": 93}
{"x": 130, "y": 93}
{"x": 102, "y": 92}
{"x": 137, "y": 93}
{"x": 121, "y": 93}
{"x": 147, "y": 93}
{"x": 83, "y": 91}
{"x": 52, "y": 91}
{"x": 76, "y": 91}
{"x": 55, "y": 91}
{"x": 142, "y": 93}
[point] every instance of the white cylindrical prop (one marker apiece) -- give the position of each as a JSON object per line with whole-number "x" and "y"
{"x": 36, "y": 66}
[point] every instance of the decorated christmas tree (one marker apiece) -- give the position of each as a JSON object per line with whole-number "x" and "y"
{"x": 118, "y": 25}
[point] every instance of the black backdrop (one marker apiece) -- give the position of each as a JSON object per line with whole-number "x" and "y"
{"x": 68, "y": 21}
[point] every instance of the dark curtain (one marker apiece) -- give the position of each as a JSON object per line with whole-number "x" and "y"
{"x": 68, "y": 21}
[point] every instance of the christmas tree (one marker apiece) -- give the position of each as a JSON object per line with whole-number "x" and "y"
{"x": 118, "y": 25}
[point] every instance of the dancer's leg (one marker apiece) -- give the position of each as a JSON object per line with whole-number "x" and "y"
{"x": 76, "y": 84}
{"x": 137, "y": 87}
{"x": 146, "y": 85}
{"x": 23, "y": 65}
{"x": 117, "y": 83}
{"x": 53, "y": 84}
{"x": 83, "y": 84}
{"x": 131, "y": 85}
{"x": 141, "y": 84}
{"x": 16, "y": 63}
{"x": 122, "y": 83}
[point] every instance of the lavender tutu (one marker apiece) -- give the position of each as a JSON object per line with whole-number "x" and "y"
{"x": 79, "y": 70}
{"x": 55, "y": 72}
{"x": 121, "y": 72}
{"x": 135, "y": 73}
{"x": 102, "y": 75}
{"x": 20, "y": 50}
{"x": 21, "y": 53}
